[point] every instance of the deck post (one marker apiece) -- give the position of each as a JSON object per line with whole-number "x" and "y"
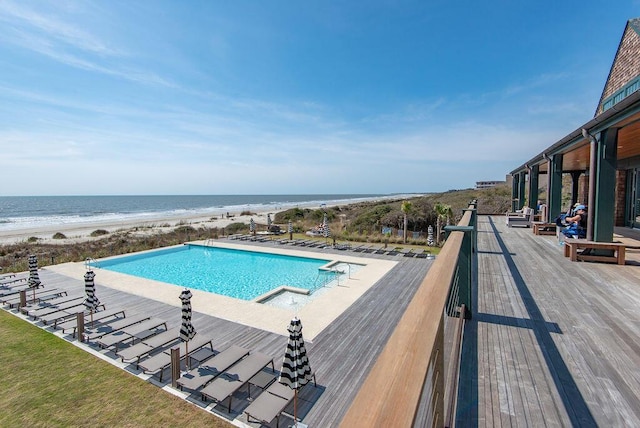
{"x": 473, "y": 223}
{"x": 175, "y": 366}
{"x": 80, "y": 326}
{"x": 604, "y": 209}
{"x": 554, "y": 193}
{"x": 522, "y": 185}
{"x": 466, "y": 267}
{"x": 534, "y": 174}
{"x": 514, "y": 192}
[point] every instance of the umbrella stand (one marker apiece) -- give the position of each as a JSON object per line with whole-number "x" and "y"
{"x": 295, "y": 407}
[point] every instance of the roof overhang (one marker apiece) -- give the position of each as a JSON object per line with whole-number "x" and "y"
{"x": 624, "y": 115}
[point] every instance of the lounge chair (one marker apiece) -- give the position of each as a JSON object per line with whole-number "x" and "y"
{"x": 97, "y": 332}
{"x": 12, "y": 280}
{"x": 407, "y": 252}
{"x": 57, "y": 306}
{"x": 418, "y": 252}
{"x": 342, "y": 246}
{"x": 197, "y": 378}
{"x": 140, "y": 331}
{"x": 39, "y": 308}
{"x": 237, "y": 376}
{"x": 525, "y": 219}
{"x": 42, "y": 296}
{"x": 66, "y": 313}
{"x": 271, "y": 403}
{"x": 13, "y": 291}
{"x": 360, "y": 248}
{"x": 148, "y": 346}
{"x": 99, "y": 318}
{"x": 156, "y": 364}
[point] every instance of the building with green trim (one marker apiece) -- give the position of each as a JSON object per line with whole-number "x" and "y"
{"x": 601, "y": 157}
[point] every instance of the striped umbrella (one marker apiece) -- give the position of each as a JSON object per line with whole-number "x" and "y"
{"x": 296, "y": 370}
{"x": 290, "y": 230}
{"x": 91, "y": 302}
{"x": 187, "y": 331}
{"x": 34, "y": 278}
{"x": 326, "y": 232}
{"x": 252, "y": 226}
{"x": 268, "y": 222}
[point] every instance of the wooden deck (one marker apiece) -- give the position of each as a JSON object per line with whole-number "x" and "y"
{"x": 552, "y": 342}
{"x": 341, "y": 355}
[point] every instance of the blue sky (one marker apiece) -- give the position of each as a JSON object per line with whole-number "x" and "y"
{"x": 283, "y": 97}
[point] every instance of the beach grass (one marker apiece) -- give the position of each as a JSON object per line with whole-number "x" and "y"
{"x": 46, "y": 381}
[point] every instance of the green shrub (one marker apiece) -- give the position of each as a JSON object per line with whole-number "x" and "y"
{"x": 234, "y": 228}
{"x": 59, "y": 235}
{"x": 185, "y": 229}
{"x": 33, "y": 239}
{"x": 99, "y": 232}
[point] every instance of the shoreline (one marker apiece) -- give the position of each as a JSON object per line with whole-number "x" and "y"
{"x": 80, "y": 232}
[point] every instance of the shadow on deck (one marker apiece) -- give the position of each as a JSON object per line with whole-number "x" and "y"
{"x": 552, "y": 342}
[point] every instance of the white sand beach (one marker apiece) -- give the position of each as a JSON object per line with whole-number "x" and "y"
{"x": 77, "y": 232}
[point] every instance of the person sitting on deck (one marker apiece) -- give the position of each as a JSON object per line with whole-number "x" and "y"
{"x": 576, "y": 225}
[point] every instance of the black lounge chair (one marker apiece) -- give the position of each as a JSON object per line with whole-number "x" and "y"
{"x": 42, "y": 308}
{"x": 99, "y": 318}
{"x": 42, "y": 295}
{"x": 137, "y": 331}
{"x": 271, "y": 403}
{"x": 237, "y": 376}
{"x": 148, "y": 346}
{"x": 101, "y": 330}
{"x": 198, "y": 377}
{"x": 407, "y": 252}
{"x": 156, "y": 364}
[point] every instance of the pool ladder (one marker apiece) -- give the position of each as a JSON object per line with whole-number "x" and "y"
{"x": 325, "y": 277}
{"x": 90, "y": 262}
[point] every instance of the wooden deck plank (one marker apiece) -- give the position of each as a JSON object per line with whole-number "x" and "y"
{"x": 563, "y": 338}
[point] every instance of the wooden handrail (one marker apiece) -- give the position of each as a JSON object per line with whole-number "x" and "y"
{"x": 391, "y": 393}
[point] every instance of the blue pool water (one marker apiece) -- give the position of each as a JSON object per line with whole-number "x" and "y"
{"x": 234, "y": 273}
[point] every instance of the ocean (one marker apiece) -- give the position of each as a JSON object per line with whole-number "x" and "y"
{"x": 26, "y": 212}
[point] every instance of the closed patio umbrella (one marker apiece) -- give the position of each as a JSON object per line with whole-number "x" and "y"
{"x": 91, "y": 302}
{"x": 187, "y": 331}
{"x": 34, "y": 278}
{"x": 252, "y": 226}
{"x": 326, "y": 232}
{"x": 290, "y": 230}
{"x": 268, "y": 222}
{"x": 296, "y": 370}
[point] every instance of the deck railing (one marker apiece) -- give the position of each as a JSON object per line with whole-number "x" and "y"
{"x": 414, "y": 381}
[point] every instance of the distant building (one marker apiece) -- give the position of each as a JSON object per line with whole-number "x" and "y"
{"x": 487, "y": 184}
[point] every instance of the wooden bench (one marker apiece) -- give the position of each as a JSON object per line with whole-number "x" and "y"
{"x": 571, "y": 247}
{"x": 542, "y": 228}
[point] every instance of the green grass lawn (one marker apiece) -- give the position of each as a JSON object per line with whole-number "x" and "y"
{"x": 46, "y": 381}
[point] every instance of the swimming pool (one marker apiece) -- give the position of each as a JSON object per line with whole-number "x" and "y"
{"x": 235, "y": 273}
